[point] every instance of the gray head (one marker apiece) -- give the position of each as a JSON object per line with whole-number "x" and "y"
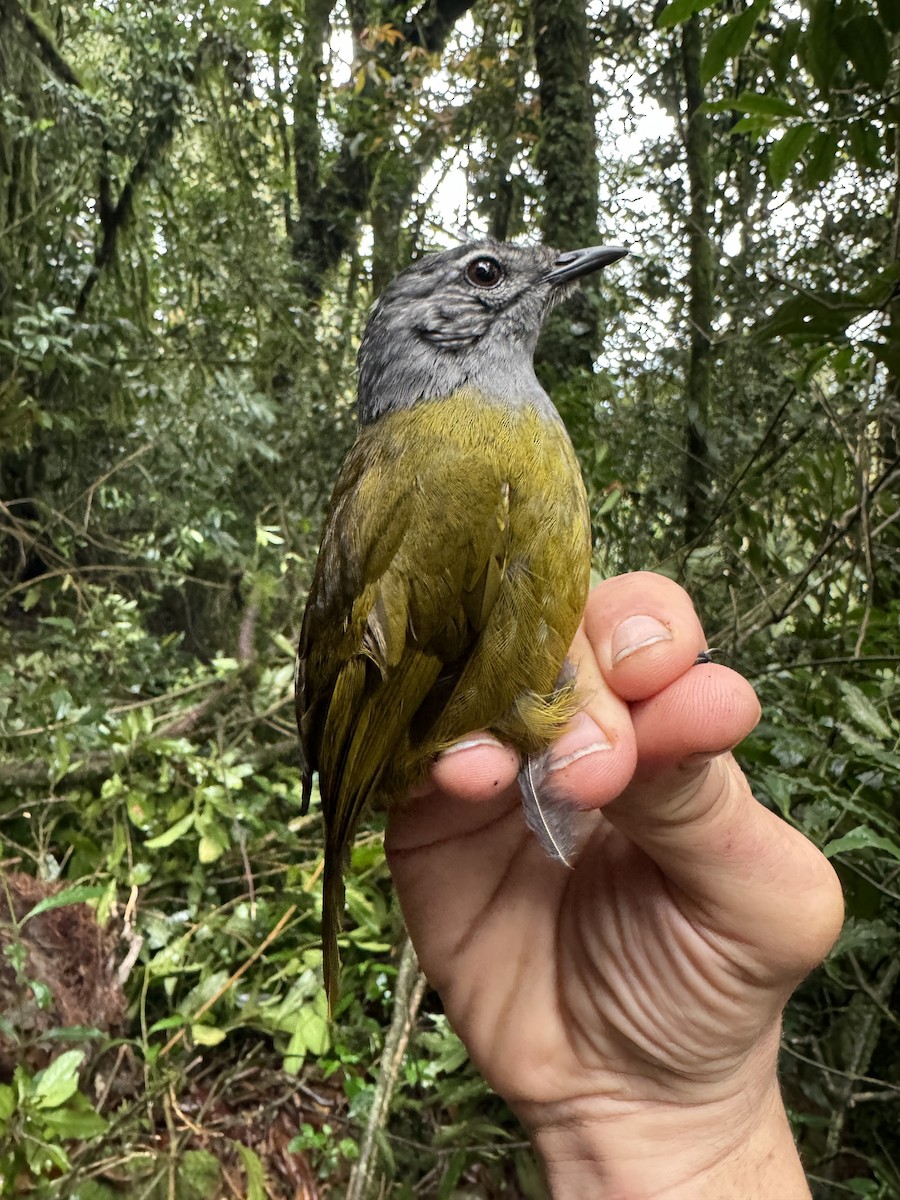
{"x": 466, "y": 318}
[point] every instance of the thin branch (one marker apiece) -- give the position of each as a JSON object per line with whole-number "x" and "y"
{"x": 408, "y": 992}
{"x": 48, "y": 51}
{"x": 232, "y": 979}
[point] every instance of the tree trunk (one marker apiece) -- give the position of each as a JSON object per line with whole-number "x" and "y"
{"x": 567, "y": 158}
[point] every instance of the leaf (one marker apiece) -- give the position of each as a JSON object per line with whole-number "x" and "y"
{"x": 864, "y": 711}
{"x": 207, "y": 1035}
{"x": 756, "y": 102}
{"x": 811, "y": 318}
{"x": 786, "y": 151}
{"x": 820, "y": 49}
{"x": 783, "y": 48}
{"x": 77, "y": 1119}
{"x": 172, "y": 834}
{"x": 205, "y": 991}
{"x": 310, "y": 1034}
{"x": 613, "y": 496}
{"x": 729, "y": 40}
{"x": 865, "y": 145}
{"x": 822, "y": 157}
{"x": 212, "y": 846}
{"x": 867, "y": 48}
{"x": 754, "y": 124}
{"x": 59, "y": 1081}
{"x": 253, "y": 1169}
{"x": 78, "y": 893}
{"x": 7, "y": 1102}
{"x": 861, "y": 838}
{"x": 679, "y": 11}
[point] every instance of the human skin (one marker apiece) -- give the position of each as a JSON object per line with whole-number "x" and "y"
{"x": 629, "y": 1010}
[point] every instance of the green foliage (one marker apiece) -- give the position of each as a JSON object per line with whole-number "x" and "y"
{"x": 39, "y": 1115}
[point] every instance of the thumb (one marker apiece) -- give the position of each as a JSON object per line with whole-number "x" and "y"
{"x": 690, "y": 808}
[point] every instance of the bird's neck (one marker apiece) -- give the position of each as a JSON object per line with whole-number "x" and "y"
{"x": 393, "y": 383}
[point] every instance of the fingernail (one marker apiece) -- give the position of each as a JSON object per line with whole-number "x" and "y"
{"x": 634, "y": 633}
{"x": 572, "y": 746}
{"x": 479, "y": 739}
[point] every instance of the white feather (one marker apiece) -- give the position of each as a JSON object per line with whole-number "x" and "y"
{"x": 549, "y": 817}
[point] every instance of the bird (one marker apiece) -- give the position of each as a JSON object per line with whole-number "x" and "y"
{"x": 454, "y": 562}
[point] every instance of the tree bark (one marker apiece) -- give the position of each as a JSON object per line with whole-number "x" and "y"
{"x": 330, "y": 208}
{"x": 567, "y": 158}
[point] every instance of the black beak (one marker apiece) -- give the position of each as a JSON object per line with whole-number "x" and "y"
{"x": 573, "y": 264}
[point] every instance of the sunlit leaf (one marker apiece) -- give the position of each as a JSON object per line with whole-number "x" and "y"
{"x": 253, "y": 1169}
{"x": 678, "y": 11}
{"x": 54, "y": 1085}
{"x": 729, "y": 40}
{"x": 785, "y": 153}
{"x": 862, "y": 838}
{"x": 172, "y": 834}
{"x": 864, "y": 711}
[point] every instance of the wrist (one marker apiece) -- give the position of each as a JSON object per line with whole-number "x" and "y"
{"x": 741, "y": 1148}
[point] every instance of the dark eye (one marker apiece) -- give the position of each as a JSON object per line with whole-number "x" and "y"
{"x": 484, "y": 272}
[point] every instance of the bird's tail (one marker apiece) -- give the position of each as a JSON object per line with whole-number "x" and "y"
{"x": 332, "y": 922}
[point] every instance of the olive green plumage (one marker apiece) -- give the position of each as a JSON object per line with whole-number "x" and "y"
{"x": 454, "y": 565}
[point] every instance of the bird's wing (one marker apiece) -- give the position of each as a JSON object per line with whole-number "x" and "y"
{"x": 410, "y": 566}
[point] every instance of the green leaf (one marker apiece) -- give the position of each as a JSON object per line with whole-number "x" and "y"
{"x": 867, "y": 48}
{"x": 812, "y": 318}
{"x": 77, "y": 1119}
{"x": 253, "y": 1169}
{"x": 757, "y": 102}
{"x": 678, "y": 11}
{"x": 613, "y": 496}
{"x": 207, "y": 1035}
{"x": 59, "y": 1081}
{"x": 754, "y": 124}
{"x": 787, "y": 150}
{"x": 200, "y": 1175}
{"x": 820, "y": 49}
{"x": 78, "y": 893}
{"x": 310, "y": 1034}
{"x": 60, "y": 756}
{"x": 783, "y": 48}
{"x": 207, "y": 989}
{"x": 864, "y": 711}
{"x": 861, "y": 838}
{"x": 822, "y": 157}
{"x": 729, "y": 40}
{"x": 7, "y": 1101}
{"x": 865, "y": 145}
{"x": 172, "y": 834}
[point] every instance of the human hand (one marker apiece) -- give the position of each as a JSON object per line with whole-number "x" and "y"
{"x": 628, "y": 1009}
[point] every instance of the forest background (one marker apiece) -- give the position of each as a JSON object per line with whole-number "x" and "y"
{"x": 198, "y": 203}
